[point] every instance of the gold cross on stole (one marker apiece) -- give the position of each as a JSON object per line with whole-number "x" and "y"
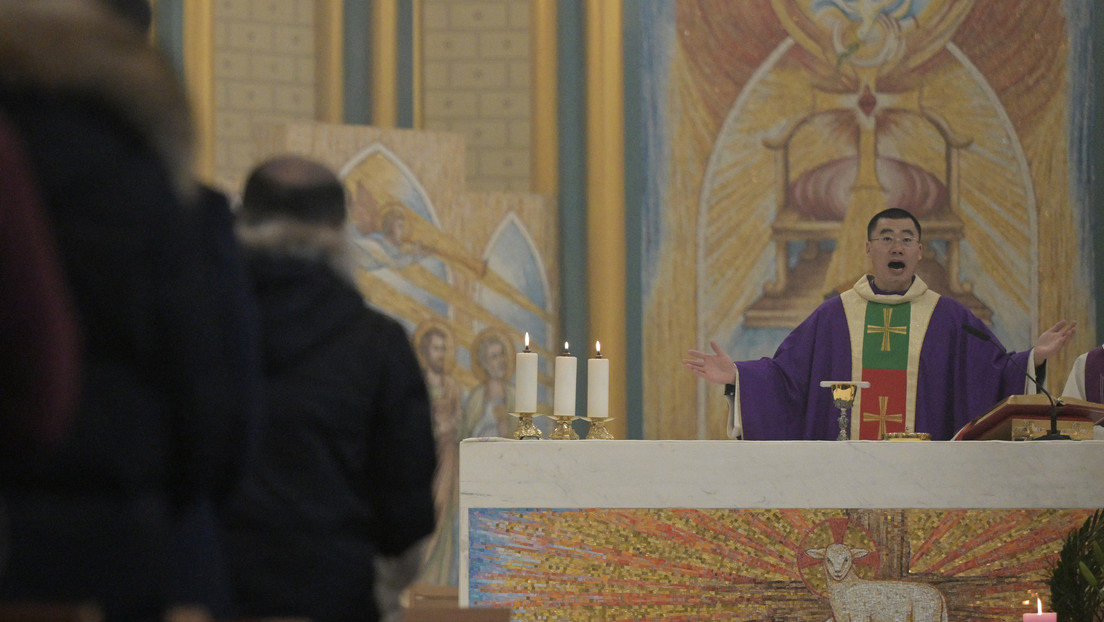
{"x": 885, "y": 329}
{"x": 881, "y": 417}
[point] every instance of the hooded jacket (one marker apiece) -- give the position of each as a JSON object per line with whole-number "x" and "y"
{"x": 162, "y": 406}
{"x": 346, "y": 456}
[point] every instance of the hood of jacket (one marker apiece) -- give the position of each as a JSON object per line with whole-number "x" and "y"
{"x": 302, "y": 279}
{"x": 75, "y": 48}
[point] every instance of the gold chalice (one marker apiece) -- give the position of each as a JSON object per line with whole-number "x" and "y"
{"x": 843, "y": 396}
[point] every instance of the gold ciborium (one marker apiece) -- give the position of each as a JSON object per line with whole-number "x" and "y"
{"x": 598, "y": 428}
{"x": 843, "y": 396}
{"x": 526, "y": 429}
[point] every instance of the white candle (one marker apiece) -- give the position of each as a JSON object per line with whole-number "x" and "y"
{"x": 525, "y": 380}
{"x": 598, "y": 385}
{"x": 563, "y": 402}
{"x": 1040, "y": 617}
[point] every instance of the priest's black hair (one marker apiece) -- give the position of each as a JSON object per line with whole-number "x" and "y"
{"x": 893, "y": 213}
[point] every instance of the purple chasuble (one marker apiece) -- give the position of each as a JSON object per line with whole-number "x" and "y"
{"x": 1094, "y": 375}
{"x": 960, "y": 376}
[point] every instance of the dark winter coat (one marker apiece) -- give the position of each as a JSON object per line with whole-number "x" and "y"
{"x": 164, "y": 399}
{"x": 346, "y": 459}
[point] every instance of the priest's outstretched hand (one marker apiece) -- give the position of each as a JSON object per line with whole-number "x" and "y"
{"x": 717, "y": 367}
{"x": 1053, "y": 340}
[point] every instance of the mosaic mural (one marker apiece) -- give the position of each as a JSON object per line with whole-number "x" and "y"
{"x": 743, "y": 565}
{"x": 776, "y": 128}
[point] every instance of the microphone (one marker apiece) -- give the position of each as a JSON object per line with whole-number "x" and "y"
{"x": 1053, "y": 435}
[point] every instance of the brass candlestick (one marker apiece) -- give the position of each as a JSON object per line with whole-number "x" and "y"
{"x": 843, "y": 396}
{"x": 563, "y": 430}
{"x": 526, "y": 429}
{"x": 598, "y": 428}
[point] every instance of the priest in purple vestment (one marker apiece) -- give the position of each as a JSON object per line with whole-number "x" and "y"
{"x": 932, "y": 365}
{"x": 1086, "y": 382}
{"x": 1086, "y": 379}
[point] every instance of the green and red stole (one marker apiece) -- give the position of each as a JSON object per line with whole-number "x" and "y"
{"x": 887, "y": 333}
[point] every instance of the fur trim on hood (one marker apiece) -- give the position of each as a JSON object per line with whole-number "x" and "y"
{"x": 289, "y": 238}
{"x": 75, "y": 47}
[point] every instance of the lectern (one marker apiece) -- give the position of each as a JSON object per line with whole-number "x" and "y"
{"x": 1028, "y": 417}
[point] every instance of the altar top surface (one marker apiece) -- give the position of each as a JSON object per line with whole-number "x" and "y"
{"x": 781, "y": 474}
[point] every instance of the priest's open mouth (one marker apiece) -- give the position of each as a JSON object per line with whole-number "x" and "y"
{"x": 897, "y": 265}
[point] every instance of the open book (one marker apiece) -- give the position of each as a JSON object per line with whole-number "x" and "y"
{"x": 1020, "y": 417}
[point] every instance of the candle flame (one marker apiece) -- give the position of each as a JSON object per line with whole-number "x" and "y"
{"x": 566, "y": 350}
{"x": 526, "y": 339}
{"x": 598, "y": 348}
{"x": 1039, "y": 601}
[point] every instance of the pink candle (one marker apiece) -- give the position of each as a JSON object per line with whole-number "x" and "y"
{"x": 1040, "y": 617}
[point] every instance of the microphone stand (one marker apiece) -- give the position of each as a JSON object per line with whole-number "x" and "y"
{"x": 1053, "y": 434}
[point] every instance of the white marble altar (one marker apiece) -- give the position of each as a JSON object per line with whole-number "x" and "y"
{"x": 501, "y": 473}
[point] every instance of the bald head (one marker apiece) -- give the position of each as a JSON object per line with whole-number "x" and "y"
{"x": 296, "y": 188}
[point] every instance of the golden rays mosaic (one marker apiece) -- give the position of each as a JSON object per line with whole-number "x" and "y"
{"x": 743, "y": 565}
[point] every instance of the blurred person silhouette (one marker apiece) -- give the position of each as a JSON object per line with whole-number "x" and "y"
{"x": 39, "y": 331}
{"x": 197, "y": 536}
{"x": 139, "y": 13}
{"x": 164, "y": 396}
{"x": 339, "y": 497}
{"x": 224, "y": 270}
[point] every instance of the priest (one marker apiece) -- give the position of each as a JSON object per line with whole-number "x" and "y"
{"x": 1086, "y": 379}
{"x": 1086, "y": 382}
{"x": 931, "y": 364}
